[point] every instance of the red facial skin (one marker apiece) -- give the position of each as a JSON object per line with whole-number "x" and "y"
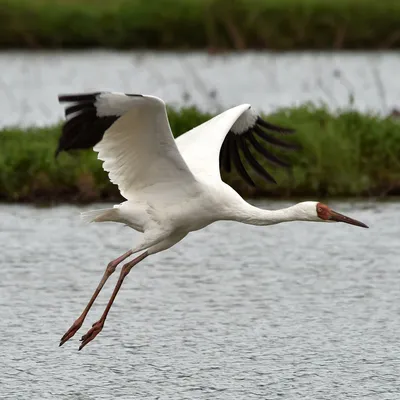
{"x": 323, "y": 211}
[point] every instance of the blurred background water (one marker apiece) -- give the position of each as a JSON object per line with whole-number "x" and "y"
{"x": 31, "y": 81}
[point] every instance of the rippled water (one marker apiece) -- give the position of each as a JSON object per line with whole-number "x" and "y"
{"x": 30, "y": 82}
{"x": 294, "y": 311}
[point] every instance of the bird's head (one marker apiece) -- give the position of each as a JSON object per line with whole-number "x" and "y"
{"x": 315, "y": 211}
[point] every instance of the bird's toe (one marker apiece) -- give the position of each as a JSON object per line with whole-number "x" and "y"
{"x": 91, "y": 334}
{"x": 71, "y": 331}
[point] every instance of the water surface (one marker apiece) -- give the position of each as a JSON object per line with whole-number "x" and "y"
{"x": 294, "y": 311}
{"x": 31, "y": 81}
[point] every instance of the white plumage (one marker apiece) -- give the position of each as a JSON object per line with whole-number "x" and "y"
{"x": 173, "y": 187}
{"x": 200, "y": 147}
{"x": 139, "y": 150}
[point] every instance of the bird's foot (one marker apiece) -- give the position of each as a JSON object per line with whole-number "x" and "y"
{"x": 92, "y": 333}
{"x": 71, "y": 331}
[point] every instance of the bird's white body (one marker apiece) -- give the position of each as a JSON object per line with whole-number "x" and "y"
{"x": 172, "y": 187}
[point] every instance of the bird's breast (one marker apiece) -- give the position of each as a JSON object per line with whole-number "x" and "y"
{"x": 192, "y": 216}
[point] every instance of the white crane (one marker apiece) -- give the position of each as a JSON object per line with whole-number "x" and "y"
{"x": 172, "y": 187}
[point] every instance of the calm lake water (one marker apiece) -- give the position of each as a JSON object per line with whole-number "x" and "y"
{"x": 294, "y": 311}
{"x": 30, "y": 82}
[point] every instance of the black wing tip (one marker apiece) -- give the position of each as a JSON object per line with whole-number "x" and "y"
{"x": 62, "y": 146}
{"x": 273, "y": 140}
{"x": 224, "y": 157}
{"x": 91, "y": 96}
{"x": 237, "y": 162}
{"x": 259, "y": 148}
{"x": 83, "y": 128}
{"x": 273, "y": 127}
{"x": 238, "y": 141}
{"x": 78, "y": 97}
{"x": 253, "y": 162}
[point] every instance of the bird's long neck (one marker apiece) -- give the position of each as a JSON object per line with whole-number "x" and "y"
{"x": 249, "y": 214}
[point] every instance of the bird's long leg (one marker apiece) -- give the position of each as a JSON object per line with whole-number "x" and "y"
{"x": 98, "y": 326}
{"x": 107, "y": 273}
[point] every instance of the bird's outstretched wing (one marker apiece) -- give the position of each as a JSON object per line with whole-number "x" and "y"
{"x": 223, "y": 142}
{"x": 131, "y": 134}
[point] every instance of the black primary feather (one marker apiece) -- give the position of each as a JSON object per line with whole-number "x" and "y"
{"x": 272, "y": 127}
{"x": 225, "y": 155}
{"x": 90, "y": 97}
{"x": 79, "y": 107}
{"x": 238, "y": 163}
{"x": 83, "y": 128}
{"x": 263, "y": 151}
{"x": 273, "y": 140}
{"x": 229, "y": 154}
{"x": 253, "y": 162}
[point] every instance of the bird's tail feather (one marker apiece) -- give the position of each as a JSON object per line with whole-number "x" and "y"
{"x": 102, "y": 215}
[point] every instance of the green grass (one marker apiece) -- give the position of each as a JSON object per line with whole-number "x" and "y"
{"x": 348, "y": 154}
{"x": 201, "y": 24}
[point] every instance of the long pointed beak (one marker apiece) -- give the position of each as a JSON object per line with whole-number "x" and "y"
{"x": 335, "y": 216}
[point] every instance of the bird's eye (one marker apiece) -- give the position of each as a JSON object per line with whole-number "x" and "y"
{"x": 319, "y": 209}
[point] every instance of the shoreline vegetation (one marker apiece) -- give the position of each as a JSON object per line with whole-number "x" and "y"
{"x": 213, "y": 25}
{"x": 345, "y": 154}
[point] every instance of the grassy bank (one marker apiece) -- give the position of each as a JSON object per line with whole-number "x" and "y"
{"x": 201, "y": 24}
{"x": 349, "y": 154}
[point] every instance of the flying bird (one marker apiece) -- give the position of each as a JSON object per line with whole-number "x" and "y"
{"x": 173, "y": 186}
